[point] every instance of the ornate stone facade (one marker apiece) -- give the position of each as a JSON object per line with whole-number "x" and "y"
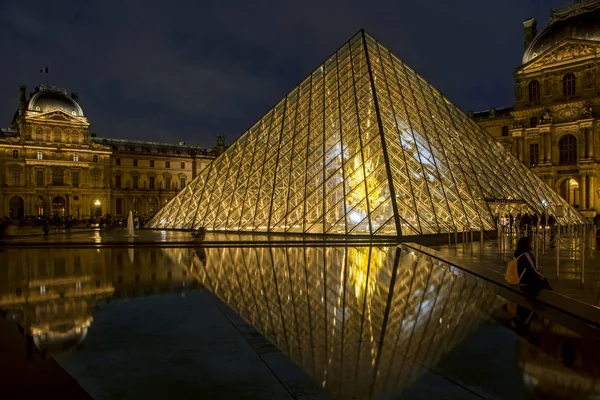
{"x": 553, "y": 126}
{"x": 51, "y": 165}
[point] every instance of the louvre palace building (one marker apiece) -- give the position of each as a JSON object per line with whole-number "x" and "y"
{"x": 553, "y": 126}
{"x": 50, "y": 164}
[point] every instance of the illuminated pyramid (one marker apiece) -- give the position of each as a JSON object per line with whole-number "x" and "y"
{"x": 363, "y": 146}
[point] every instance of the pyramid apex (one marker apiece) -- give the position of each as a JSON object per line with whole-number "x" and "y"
{"x": 362, "y": 146}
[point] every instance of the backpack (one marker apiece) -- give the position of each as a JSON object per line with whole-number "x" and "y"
{"x": 512, "y": 271}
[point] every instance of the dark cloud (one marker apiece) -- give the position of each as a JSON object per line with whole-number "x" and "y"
{"x": 188, "y": 70}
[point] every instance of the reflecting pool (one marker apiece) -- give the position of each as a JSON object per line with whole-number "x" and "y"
{"x": 364, "y": 322}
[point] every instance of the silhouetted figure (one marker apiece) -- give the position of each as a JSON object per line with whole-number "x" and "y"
{"x": 530, "y": 275}
{"x": 525, "y": 223}
{"x": 553, "y": 230}
{"x": 46, "y": 227}
{"x": 511, "y": 220}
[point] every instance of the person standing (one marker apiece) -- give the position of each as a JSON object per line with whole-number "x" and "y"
{"x": 553, "y": 230}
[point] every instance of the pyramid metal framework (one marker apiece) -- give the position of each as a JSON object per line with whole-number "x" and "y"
{"x": 363, "y": 146}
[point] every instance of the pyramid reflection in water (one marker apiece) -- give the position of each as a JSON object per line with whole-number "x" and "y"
{"x": 363, "y": 146}
{"x": 364, "y": 322}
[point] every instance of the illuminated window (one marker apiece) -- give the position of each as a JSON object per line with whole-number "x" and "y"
{"x": 151, "y": 163}
{"x": 534, "y": 154}
{"x": 569, "y": 83}
{"x": 75, "y": 157}
{"x": 40, "y": 155}
{"x": 94, "y": 158}
{"x": 167, "y": 164}
{"x": 75, "y": 176}
{"x": 118, "y": 181}
{"x": 534, "y": 91}
{"x": 16, "y": 177}
{"x": 15, "y": 153}
{"x": 567, "y": 147}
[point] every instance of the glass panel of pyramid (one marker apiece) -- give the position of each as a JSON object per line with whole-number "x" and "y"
{"x": 362, "y": 146}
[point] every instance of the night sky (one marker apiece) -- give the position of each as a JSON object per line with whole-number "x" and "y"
{"x": 179, "y": 70}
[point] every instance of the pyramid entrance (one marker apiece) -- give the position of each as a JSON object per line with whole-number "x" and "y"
{"x": 362, "y": 146}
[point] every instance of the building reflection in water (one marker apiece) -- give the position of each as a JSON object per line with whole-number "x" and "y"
{"x": 365, "y": 322}
{"x": 51, "y": 293}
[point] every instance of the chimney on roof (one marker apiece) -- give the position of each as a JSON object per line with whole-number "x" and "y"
{"x": 530, "y": 30}
{"x": 75, "y": 96}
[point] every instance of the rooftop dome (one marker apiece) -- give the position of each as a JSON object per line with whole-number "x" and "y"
{"x": 50, "y": 98}
{"x": 579, "y": 21}
{"x": 61, "y": 337}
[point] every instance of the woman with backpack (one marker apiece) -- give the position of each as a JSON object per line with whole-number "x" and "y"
{"x": 529, "y": 274}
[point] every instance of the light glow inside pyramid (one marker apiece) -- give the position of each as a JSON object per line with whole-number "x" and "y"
{"x": 362, "y": 146}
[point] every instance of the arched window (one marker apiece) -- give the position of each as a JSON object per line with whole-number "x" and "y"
{"x": 94, "y": 158}
{"x": 75, "y": 157}
{"x": 136, "y": 205}
{"x": 569, "y": 83}
{"x": 15, "y": 153}
{"x": 567, "y": 147}
{"x": 57, "y": 135}
{"x": 534, "y": 91}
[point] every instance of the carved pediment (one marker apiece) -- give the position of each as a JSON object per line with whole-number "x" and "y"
{"x": 57, "y": 116}
{"x": 567, "y": 49}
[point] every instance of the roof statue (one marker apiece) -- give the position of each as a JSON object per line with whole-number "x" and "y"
{"x": 362, "y": 146}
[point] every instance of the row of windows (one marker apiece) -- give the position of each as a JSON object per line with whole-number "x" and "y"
{"x": 57, "y": 178}
{"x": 569, "y": 82}
{"x": 151, "y": 182}
{"x": 135, "y": 163}
{"x": 56, "y": 136}
{"x": 40, "y": 156}
{"x": 567, "y": 151}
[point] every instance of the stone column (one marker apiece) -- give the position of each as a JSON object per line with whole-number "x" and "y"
{"x": 583, "y": 191}
{"x": 549, "y": 147}
{"x": 592, "y": 192}
{"x": 581, "y": 143}
{"x": 590, "y": 141}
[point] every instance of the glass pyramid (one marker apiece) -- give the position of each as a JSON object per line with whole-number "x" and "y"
{"x": 363, "y": 146}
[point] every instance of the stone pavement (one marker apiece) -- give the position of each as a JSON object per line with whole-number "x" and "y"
{"x": 498, "y": 252}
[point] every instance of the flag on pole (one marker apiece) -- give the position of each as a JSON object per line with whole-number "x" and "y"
{"x": 44, "y": 70}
